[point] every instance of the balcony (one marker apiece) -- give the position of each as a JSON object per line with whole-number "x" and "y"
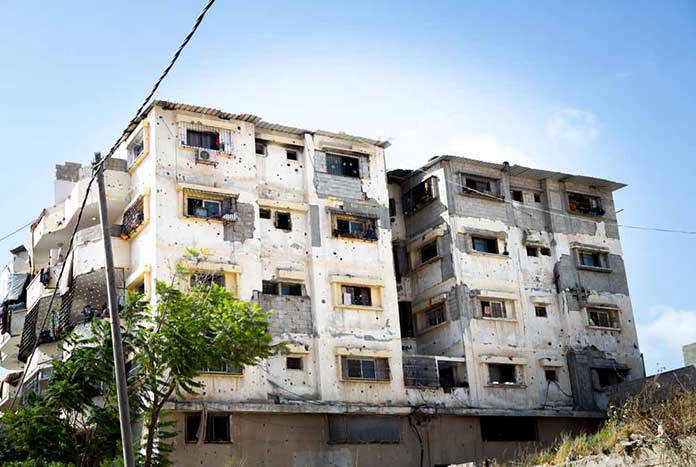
{"x": 56, "y": 223}
{"x": 13, "y": 323}
{"x": 8, "y": 390}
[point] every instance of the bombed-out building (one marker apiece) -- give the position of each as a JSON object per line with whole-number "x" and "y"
{"x": 432, "y": 316}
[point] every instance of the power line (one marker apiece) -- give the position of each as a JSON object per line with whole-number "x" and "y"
{"x": 128, "y": 130}
{"x": 19, "y": 229}
{"x": 556, "y": 213}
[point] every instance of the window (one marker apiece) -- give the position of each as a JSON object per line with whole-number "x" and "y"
{"x": 510, "y": 429}
{"x": 551, "y": 376}
{"x": 261, "y": 148}
{"x": 364, "y": 429}
{"x": 392, "y": 208}
{"x": 485, "y": 245}
{"x": 364, "y": 368}
{"x": 133, "y": 218}
{"x": 206, "y": 280}
{"x": 493, "y": 309}
{"x": 291, "y": 154}
{"x": 355, "y": 227}
{"x": 406, "y": 319}
{"x": 603, "y": 318}
{"x": 293, "y": 363}
{"x": 283, "y": 221}
{"x": 480, "y": 185}
{"x": 264, "y": 213}
{"x": 344, "y": 166}
{"x": 603, "y": 377}
{"x": 356, "y": 295}
{"x": 452, "y": 375}
{"x": 428, "y": 252}
{"x": 540, "y": 311}
{"x": 545, "y": 251}
{"x": 419, "y": 196}
{"x": 585, "y": 204}
{"x": 204, "y": 208}
{"x": 537, "y": 197}
{"x": 282, "y": 288}
{"x": 532, "y": 251}
{"x": 203, "y": 139}
{"x": 193, "y": 425}
{"x": 518, "y": 196}
{"x": 436, "y": 316}
{"x": 135, "y": 148}
{"x": 220, "y": 368}
{"x": 502, "y": 374}
{"x": 217, "y": 428}
{"x": 592, "y": 259}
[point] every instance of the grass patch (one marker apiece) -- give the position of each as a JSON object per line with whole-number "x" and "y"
{"x": 640, "y": 422}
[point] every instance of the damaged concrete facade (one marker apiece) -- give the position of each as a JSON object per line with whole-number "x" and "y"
{"x": 375, "y": 281}
{"x": 515, "y": 276}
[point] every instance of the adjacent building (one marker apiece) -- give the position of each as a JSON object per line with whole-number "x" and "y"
{"x": 450, "y": 312}
{"x": 689, "y": 354}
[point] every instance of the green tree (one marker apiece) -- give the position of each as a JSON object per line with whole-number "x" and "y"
{"x": 167, "y": 343}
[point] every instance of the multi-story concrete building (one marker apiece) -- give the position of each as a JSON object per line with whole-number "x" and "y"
{"x": 433, "y": 316}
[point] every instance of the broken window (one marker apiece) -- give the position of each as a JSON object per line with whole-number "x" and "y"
{"x": 485, "y": 245}
{"x": 364, "y": 368}
{"x": 392, "y": 208}
{"x": 217, "y": 428}
{"x": 221, "y": 368}
{"x": 206, "y": 279}
{"x": 264, "y": 213}
{"x": 493, "y": 309}
{"x": 406, "y": 319}
{"x": 537, "y": 197}
{"x": 135, "y": 148}
{"x": 204, "y": 208}
{"x": 283, "y": 221}
{"x": 193, "y": 426}
{"x": 502, "y": 373}
{"x": 291, "y": 154}
{"x": 551, "y": 376}
{"x": 510, "y": 429}
{"x": 419, "y": 196}
{"x": 261, "y": 148}
{"x": 364, "y": 429}
{"x": 345, "y": 166}
{"x": 293, "y": 289}
{"x": 480, "y": 185}
{"x": 545, "y": 251}
{"x": 428, "y": 252}
{"x": 452, "y": 375}
{"x": 352, "y": 295}
{"x": 585, "y": 204}
{"x": 603, "y": 318}
{"x": 355, "y": 227}
{"x": 532, "y": 251}
{"x": 592, "y": 259}
{"x": 540, "y": 311}
{"x": 293, "y": 363}
{"x": 603, "y": 377}
{"x": 431, "y": 317}
{"x": 133, "y": 218}
{"x": 518, "y": 196}
{"x": 203, "y": 139}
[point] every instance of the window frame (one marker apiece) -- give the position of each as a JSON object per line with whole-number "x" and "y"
{"x": 277, "y": 217}
{"x": 294, "y": 152}
{"x": 362, "y": 288}
{"x": 612, "y": 318}
{"x": 493, "y": 190}
{"x": 431, "y": 317}
{"x": 602, "y": 258}
{"x": 490, "y": 301}
{"x": 424, "y": 248}
{"x": 489, "y": 241}
{"x": 367, "y": 222}
{"x": 294, "y": 358}
{"x": 538, "y": 308}
{"x": 345, "y": 171}
{"x": 280, "y": 287}
{"x": 260, "y": 143}
{"x": 219, "y": 275}
{"x": 209, "y": 423}
{"x": 594, "y": 204}
{"x": 516, "y": 374}
{"x": 514, "y": 194}
{"x": 207, "y": 133}
{"x": 410, "y": 204}
{"x": 346, "y": 370}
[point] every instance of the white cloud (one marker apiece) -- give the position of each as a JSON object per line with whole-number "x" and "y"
{"x": 573, "y": 125}
{"x": 662, "y": 338}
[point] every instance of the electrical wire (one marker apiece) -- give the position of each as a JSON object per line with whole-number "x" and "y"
{"x": 128, "y": 130}
{"x": 555, "y": 213}
{"x": 19, "y": 229}
{"x": 99, "y": 166}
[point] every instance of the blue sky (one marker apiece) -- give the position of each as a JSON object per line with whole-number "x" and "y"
{"x": 599, "y": 88}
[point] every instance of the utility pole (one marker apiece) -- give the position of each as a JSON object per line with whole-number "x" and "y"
{"x": 119, "y": 365}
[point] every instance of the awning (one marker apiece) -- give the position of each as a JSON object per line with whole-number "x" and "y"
{"x": 11, "y": 286}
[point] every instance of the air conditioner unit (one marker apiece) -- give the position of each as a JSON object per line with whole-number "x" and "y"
{"x": 207, "y": 156}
